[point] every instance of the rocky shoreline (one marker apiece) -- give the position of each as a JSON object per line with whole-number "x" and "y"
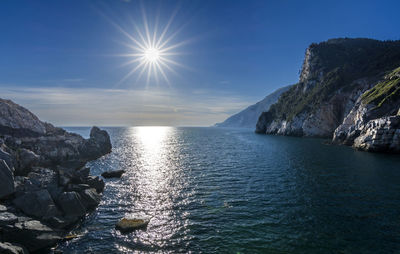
{"x": 46, "y": 189}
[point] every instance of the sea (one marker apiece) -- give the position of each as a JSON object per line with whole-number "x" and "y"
{"x": 225, "y": 190}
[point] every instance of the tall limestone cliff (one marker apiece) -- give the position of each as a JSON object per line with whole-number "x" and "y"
{"x": 248, "y": 117}
{"x": 335, "y": 74}
{"x": 338, "y": 79}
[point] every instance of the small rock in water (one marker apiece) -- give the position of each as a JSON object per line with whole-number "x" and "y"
{"x": 113, "y": 174}
{"x": 130, "y": 224}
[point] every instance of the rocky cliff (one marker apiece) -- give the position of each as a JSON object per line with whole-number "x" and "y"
{"x": 373, "y": 124}
{"x": 248, "y": 117}
{"x": 344, "y": 84}
{"x": 45, "y": 187}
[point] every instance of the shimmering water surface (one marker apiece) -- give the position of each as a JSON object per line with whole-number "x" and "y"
{"x": 211, "y": 190}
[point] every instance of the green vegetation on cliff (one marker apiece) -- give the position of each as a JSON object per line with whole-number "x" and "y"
{"x": 385, "y": 91}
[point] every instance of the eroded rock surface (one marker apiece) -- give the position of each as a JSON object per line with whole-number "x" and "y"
{"x": 44, "y": 187}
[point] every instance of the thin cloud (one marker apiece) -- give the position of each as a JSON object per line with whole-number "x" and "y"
{"x": 110, "y": 107}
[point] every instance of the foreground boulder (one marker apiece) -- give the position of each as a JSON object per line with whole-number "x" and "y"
{"x": 127, "y": 225}
{"x": 44, "y": 187}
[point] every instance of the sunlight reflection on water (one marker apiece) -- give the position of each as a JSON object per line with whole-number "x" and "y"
{"x": 157, "y": 183}
{"x": 211, "y": 190}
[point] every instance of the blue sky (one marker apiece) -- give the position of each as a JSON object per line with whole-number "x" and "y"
{"x": 61, "y": 59}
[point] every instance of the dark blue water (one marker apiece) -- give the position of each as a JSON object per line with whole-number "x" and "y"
{"x": 211, "y": 190}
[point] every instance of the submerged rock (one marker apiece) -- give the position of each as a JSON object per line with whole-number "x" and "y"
{"x": 130, "y": 224}
{"x": 113, "y": 174}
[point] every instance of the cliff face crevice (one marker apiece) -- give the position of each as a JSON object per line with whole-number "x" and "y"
{"x": 344, "y": 83}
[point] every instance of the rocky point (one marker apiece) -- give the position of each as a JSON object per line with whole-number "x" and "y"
{"x": 45, "y": 188}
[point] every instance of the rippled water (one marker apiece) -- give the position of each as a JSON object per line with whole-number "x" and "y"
{"x": 211, "y": 190}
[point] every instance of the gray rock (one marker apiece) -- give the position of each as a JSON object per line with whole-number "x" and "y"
{"x": 38, "y": 204}
{"x": 64, "y": 176}
{"x": 27, "y": 159}
{"x": 24, "y": 185}
{"x": 77, "y": 187}
{"x": 7, "y": 158}
{"x": 7, "y": 218}
{"x": 3, "y": 208}
{"x": 90, "y": 198}
{"x": 127, "y": 225}
{"x": 14, "y": 116}
{"x": 32, "y": 234}
{"x": 41, "y": 170}
{"x": 71, "y": 204}
{"x": 97, "y": 145}
{"x": 82, "y": 173}
{"x": 6, "y": 180}
{"x": 380, "y": 135}
{"x": 60, "y": 222}
{"x": 96, "y": 183}
{"x": 8, "y": 248}
{"x": 43, "y": 177}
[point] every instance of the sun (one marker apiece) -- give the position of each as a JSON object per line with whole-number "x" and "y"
{"x": 152, "y": 55}
{"x": 151, "y": 51}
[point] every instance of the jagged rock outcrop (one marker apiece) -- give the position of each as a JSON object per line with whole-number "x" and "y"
{"x": 15, "y": 118}
{"x": 44, "y": 187}
{"x": 335, "y": 96}
{"x": 380, "y": 135}
{"x": 248, "y": 117}
{"x": 373, "y": 123}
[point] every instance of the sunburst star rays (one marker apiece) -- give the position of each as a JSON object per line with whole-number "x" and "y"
{"x": 151, "y": 50}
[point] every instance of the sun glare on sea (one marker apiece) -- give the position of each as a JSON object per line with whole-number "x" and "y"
{"x": 152, "y": 139}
